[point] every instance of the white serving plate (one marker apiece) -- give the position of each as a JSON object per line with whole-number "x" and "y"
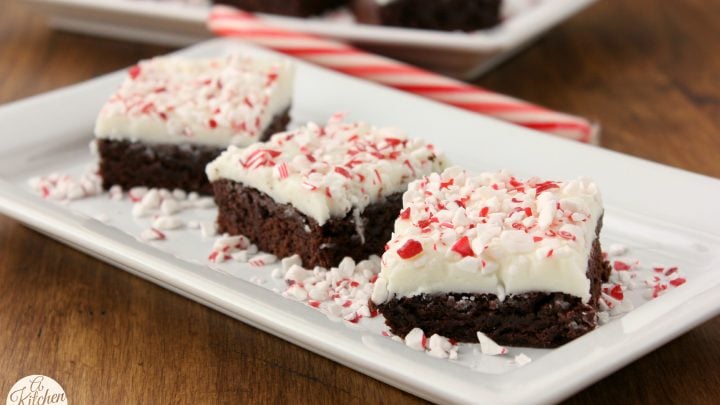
{"x": 179, "y": 22}
{"x": 663, "y": 214}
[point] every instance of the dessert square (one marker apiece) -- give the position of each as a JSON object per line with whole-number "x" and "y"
{"x": 296, "y": 8}
{"x": 171, "y": 117}
{"x": 444, "y": 15}
{"x": 517, "y": 260}
{"x": 323, "y": 193}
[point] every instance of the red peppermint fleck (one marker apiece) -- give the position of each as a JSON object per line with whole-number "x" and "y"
{"x": 212, "y": 123}
{"x": 213, "y": 256}
{"x": 377, "y": 174}
{"x": 354, "y": 284}
{"x": 495, "y": 187}
{"x": 678, "y": 281}
{"x": 134, "y": 72}
{"x": 385, "y": 333}
{"x": 515, "y": 183}
{"x": 314, "y": 304}
{"x": 537, "y": 239}
{"x": 355, "y": 319}
{"x": 347, "y": 303}
{"x": 410, "y": 249}
{"x": 394, "y": 141}
{"x": 342, "y": 171}
{"x": 545, "y": 186}
{"x": 659, "y": 269}
{"x": 566, "y": 235}
{"x": 424, "y": 223}
{"x": 405, "y": 214}
{"x": 160, "y": 235}
{"x": 424, "y": 341}
{"x": 462, "y": 247}
{"x": 271, "y": 77}
{"x": 373, "y": 313}
{"x": 282, "y": 170}
{"x": 328, "y": 194}
{"x": 549, "y": 253}
{"x": 658, "y": 290}
{"x": 446, "y": 184}
{"x": 484, "y": 211}
{"x": 528, "y": 211}
{"x": 621, "y": 266}
{"x": 373, "y": 279}
{"x": 671, "y": 270}
{"x": 617, "y": 292}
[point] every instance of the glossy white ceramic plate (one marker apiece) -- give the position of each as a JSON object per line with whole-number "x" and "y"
{"x": 182, "y": 22}
{"x": 662, "y": 214}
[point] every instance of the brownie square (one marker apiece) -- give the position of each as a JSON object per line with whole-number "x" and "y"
{"x": 171, "y": 117}
{"x": 517, "y": 260}
{"x": 323, "y": 193}
{"x": 444, "y": 15}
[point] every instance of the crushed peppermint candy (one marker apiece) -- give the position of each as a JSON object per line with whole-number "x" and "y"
{"x": 339, "y": 292}
{"x": 329, "y": 171}
{"x": 218, "y": 101}
{"x": 489, "y": 347}
{"x": 470, "y": 226}
{"x": 151, "y": 234}
{"x": 628, "y": 275}
{"x": 435, "y": 346}
{"x": 66, "y": 188}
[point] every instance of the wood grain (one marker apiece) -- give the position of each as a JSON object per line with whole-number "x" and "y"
{"x": 648, "y": 70}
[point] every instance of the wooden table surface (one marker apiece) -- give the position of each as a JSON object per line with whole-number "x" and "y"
{"x": 649, "y": 70}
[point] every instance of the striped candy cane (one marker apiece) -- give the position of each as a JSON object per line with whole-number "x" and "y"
{"x": 228, "y": 21}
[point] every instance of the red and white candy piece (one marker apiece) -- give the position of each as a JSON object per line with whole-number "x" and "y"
{"x": 489, "y": 347}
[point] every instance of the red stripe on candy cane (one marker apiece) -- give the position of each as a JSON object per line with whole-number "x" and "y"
{"x": 227, "y": 21}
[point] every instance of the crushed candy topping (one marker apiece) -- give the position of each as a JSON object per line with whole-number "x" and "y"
{"x": 331, "y": 170}
{"x": 523, "y": 232}
{"x": 230, "y": 99}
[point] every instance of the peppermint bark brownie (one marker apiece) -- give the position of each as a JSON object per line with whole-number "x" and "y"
{"x": 297, "y": 8}
{"x": 517, "y": 260}
{"x": 445, "y": 15}
{"x": 171, "y": 117}
{"x": 322, "y": 193}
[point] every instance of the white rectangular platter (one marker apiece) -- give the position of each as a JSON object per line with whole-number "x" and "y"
{"x": 662, "y": 214}
{"x": 182, "y": 22}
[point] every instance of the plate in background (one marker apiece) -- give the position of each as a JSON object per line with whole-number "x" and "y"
{"x": 182, "y": 22}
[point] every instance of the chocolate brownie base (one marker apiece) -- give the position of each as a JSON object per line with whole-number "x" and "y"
{"x": 282, "y": 230}
{"x": 534, "y": 319}
{"x": 297, "y": 8}
{"x": 170, "y": 166}
{"x": 444, "y": 15}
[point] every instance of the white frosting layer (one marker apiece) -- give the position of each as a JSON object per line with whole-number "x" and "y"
{"x": 491, "y": 234}
{"x": 327, "y": 172}
{"x": 218, "y": 102}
